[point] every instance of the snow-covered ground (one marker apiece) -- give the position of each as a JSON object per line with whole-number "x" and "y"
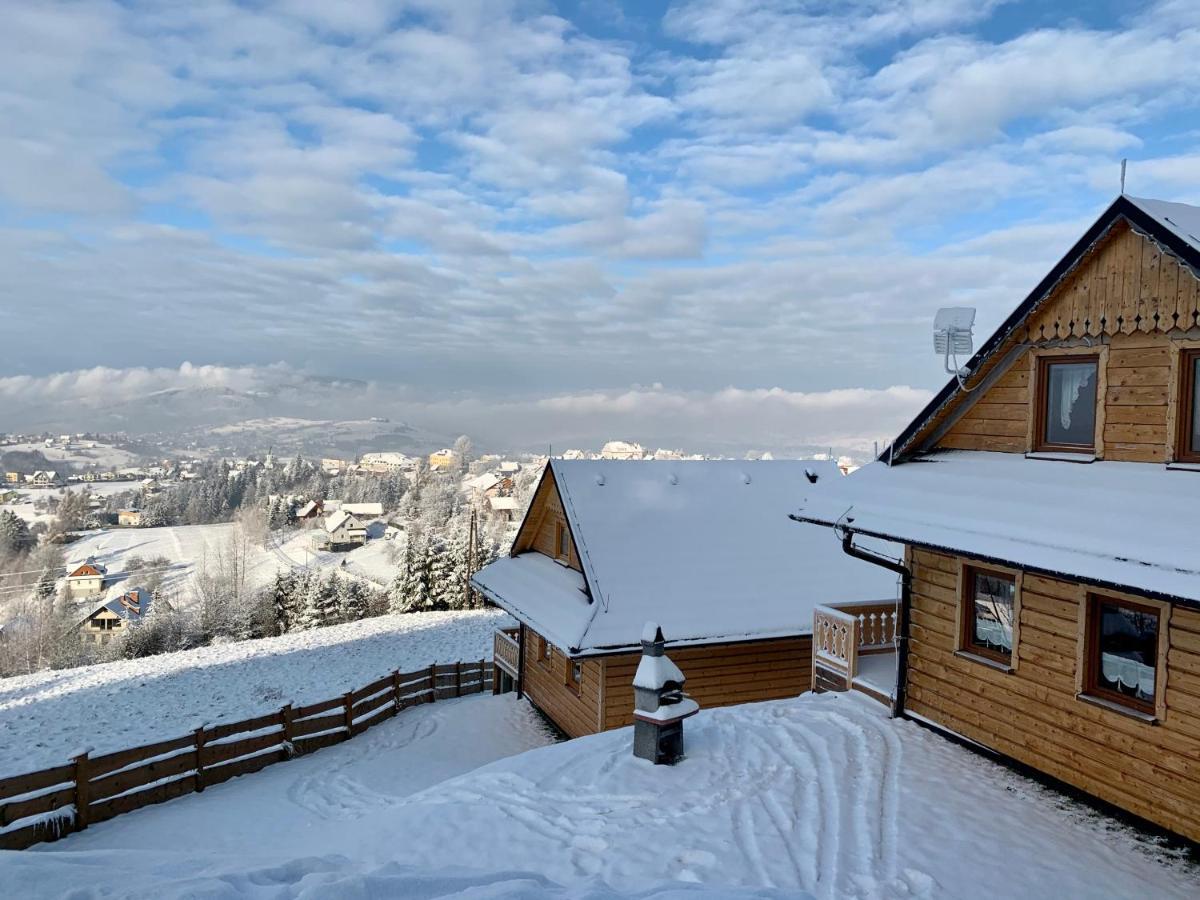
{"x": 189, "y": 546}
{"x": 101, "y": 456}
{"x": 822, "y": 795}
{"x": 46, "y": 716}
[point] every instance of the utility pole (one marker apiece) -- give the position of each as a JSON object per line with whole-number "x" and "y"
{"x": 471, "y": 558}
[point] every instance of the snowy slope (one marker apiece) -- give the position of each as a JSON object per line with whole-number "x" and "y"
{"x": 822, "y": 794}
{"x": 187, "y": 547}
{"x": 46, "y": 716}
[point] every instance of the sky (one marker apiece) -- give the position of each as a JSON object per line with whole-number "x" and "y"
{"x": 688, "y": 221}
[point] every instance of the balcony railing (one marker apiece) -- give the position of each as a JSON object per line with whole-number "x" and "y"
{"x": 506, "y": 651}
{"x": 843, "y": 633}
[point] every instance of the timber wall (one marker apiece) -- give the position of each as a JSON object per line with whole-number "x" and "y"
{"x": 539, "y": 530}
{"x": 546, "y": 686}
{"x": 1032, "y": 715}
{"x": 1127, "y": 297}
{"x": 718, "y": 675}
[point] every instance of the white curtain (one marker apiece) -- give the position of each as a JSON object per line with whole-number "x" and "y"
{"x": 1128, "y": 673}
{"x": 1072, "y": 380}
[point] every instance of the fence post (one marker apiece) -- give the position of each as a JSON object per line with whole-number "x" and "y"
{"x": 458, "y": 678}
{"x": 82, "y": 790}
{"x": 432, "y": 682}
{"x": 200, "y": 759}
{"x": 285, "y": 717}
{"x": 482, "y": 679}
{"x": 348, "y": 703}
{"x": 396, "y": 689}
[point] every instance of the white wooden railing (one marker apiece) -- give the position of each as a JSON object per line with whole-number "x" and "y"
{"x": 843, "y": 632}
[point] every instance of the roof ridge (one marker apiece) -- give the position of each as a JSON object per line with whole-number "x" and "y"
{"x": 585, "y": 557}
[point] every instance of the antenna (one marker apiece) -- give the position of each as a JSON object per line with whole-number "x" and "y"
{"x": 1123, "y": 162}
{"x": 952, "y": 336}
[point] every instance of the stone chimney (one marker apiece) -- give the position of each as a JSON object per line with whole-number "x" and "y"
{"x": 659, "y": 706}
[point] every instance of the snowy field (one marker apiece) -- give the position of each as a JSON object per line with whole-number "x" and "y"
{"x": 101, "y": 456}
{"x": 822, "y": 796}
{"x": 188, "y": 546}
{"x": 46, "y": 716}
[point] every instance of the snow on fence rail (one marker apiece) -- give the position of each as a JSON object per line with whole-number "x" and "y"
{"x": 90, "y": 789}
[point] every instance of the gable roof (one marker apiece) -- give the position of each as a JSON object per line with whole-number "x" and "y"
{"x": 704, "y": 548}
{"x": 338, "y": 519}
{"x": 1176, "y": 226}
{"x": 1059, "y": 523}
{"x": 131, "y": 605}
{"x": 89, "y": 569}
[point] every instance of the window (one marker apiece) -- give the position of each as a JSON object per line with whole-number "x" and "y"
{"x": 1066, "y": 411}
{"x": 105, "y": 624}
{"x": 545, "y": 651}
{"x": 1188, "y": 446}
{"x": 1121, "y": 663}
{"x": 988, "y": 614}
{"x": 575, "y": 675}
{"x": 562, "y": 542}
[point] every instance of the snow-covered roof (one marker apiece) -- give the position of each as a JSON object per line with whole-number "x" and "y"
{"x": 1180, "y": 219}
{"x": 704, "y": 548}
{"x": 338, "y": 519}
{"x": 363, "y": 509}
{"x": 1124, "y": 525}
{"x": 129, "y": 605}
{"x": 482, "y": 482}
{"x": 307, "y": 509}
{"x": 502, "y": 503}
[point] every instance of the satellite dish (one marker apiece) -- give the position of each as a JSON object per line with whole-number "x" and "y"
{"x": 952, "y": 334}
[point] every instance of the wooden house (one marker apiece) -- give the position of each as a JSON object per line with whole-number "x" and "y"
{"x": 704, "y": 548}
{"x": 129, "y": 518}
{"x": 112, "y": 616}
{"x": 1049, "y": 506}
{"x": 311, "y": 514}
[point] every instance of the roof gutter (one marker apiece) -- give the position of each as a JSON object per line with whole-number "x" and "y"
{"x": 905, "y": 574}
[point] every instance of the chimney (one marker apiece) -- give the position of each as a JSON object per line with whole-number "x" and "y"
{"x": 660, "y": 705}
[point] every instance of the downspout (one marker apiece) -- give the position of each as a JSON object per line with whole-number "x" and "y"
{"x": 520, "y": 659}
{"x": 905, "y": 604}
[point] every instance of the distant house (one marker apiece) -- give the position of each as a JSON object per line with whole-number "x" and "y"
{"x": 483, "y": 485}
{"x": 706, "y": 549}
{"x": 363, "y": 510}
{"x": 386, "y": 463}
{"x": 442, "y": 459}
{"x": 310, "y": 514}
{"x": 332, "y": 466}
{"x": 344, "y": 531}
{"x": 622, "y": 450}
{"x": 129, "y": 518}
{"x": 12, "y": 478}
{"x": 42, "y": 478}
{"x": 505, "y": 508}
{"x": 509, "y": 467}
{"x": 87, "y": 580}
{"x": 112, "y": 616}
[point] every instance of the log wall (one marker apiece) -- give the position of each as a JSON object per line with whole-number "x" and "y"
{"x": 1033, "y": 715}
{"x": 1128, "y": 297}
{"x": 718, "y": 675}
{"x": 546, "y": 686}
{"x": 539, "y": 530}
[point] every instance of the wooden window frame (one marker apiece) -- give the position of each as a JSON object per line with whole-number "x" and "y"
{"x": 575, "y": 687}
{"x": 545, "y": 653}
{"x": 966, "y": 640}
{"x": 1089, "y": 688}
{"x": 1187, "y": 388}
{"x": 1041, "y": 404}
{"x": 561, "y": 536}
{"x": 964, "y": 648}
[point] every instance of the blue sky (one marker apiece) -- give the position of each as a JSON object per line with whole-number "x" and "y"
{"x": 577, "y": 213}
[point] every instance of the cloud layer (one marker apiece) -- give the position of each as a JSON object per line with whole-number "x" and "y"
{"x": 731, "y": 420}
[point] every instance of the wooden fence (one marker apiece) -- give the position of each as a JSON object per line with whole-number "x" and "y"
{"x": 91, "y": 789}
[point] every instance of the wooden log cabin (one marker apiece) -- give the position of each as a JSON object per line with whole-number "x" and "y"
{"x": 1049, "y": 506}
{"x": 704, "y": 548}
